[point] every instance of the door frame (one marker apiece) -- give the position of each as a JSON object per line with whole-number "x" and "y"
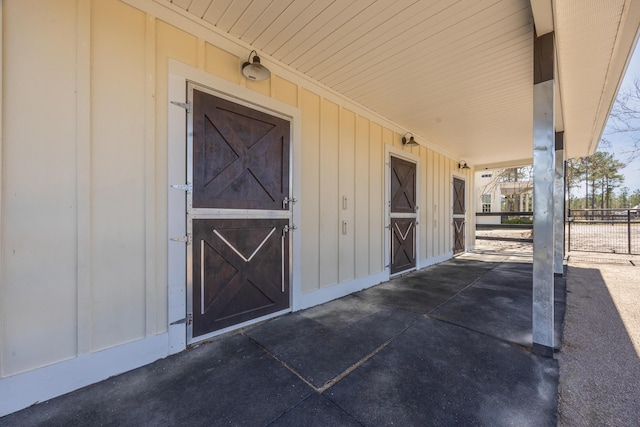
{"x": 463, "y": 178}
{"x": 389, "y": 151}
{"x": 179, "y": 75}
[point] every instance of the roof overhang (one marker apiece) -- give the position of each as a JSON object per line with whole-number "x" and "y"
{"x": 456, "y": 74}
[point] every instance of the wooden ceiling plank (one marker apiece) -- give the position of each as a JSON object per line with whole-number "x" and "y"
{"x": 460, "y": 77}
{"x": 199, "y": 7}
{"x": 369, "y": 19}
{"x": 415, "y": 48}
{"x": 328, "y": 22}
{"x": 440, "y": 97}
{"x": 489, "y": 93}
{"x": 360, "y": 43}
{"x": 232, "y": 14}
{"x": 216, "y": 10}
{"x": 292, "y": 16}
{"x": 456, "y": 69}
{"x": 402, "y": 44}
{"x": 266, "y": 19}
{"x": 249, "y": 17}
{"x": 464, "y": 53}
{"x": 182, "y": 4}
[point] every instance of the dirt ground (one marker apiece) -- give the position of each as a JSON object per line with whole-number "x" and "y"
{"x": 600, "y": 356}
{"x": 504, "y": 245}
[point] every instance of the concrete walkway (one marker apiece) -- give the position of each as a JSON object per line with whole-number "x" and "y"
{"x": 447, "y": 345}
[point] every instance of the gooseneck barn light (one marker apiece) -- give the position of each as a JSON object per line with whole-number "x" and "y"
{"x": 463, "y": 165}
{"x": 254, "y": 70}
{"x": 409, "y": 142}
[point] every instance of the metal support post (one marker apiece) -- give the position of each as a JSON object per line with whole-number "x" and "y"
{"x": 543, "y": 194}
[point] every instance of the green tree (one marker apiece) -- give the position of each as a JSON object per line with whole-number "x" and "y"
{"x": 599, "y": 174}
{"x": 634, "y": 198}
{"x": 623, "y": 201}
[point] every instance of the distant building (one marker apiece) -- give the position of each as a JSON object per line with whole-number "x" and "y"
{"x": 503, "y": 190}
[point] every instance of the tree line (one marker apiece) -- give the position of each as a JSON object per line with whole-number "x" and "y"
{"x": 592, "y": 183}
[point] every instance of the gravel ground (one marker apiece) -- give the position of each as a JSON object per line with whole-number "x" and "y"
{"x": 600, "y": 355}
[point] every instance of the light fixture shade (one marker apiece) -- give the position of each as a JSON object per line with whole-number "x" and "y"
{"x": 255, "y": 70}
{"x": 409, "y": 142}
{"x": 463, "y": 165}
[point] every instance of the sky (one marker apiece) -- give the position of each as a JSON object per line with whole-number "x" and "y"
{"x": 618, "y": 143}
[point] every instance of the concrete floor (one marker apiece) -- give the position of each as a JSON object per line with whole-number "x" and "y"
{"x": 447, "y": 345}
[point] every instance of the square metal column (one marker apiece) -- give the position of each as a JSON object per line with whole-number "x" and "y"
{"x": 543, "y": 194}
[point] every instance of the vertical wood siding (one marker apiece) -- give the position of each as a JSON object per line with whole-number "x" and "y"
{"x": 126, "y": 211}
{"x": 39, "y": 179}
{"x": 117, "y": 174}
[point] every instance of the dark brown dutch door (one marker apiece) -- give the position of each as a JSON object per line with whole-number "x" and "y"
{"x": 403, "y": 215}
{"x": 459, "y": 215}
{"x": 238, "y": 212}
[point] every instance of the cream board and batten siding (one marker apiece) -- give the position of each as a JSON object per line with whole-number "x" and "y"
{"x": 85, "y": 243}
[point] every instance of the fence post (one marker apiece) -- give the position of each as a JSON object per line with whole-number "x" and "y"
{"x": 569, "y": 231}
{"x": 629, "y": 231}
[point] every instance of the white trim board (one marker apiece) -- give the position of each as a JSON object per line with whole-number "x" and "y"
{"x": 424, "y": 263}
{"x": 339, "y": 290}
{"x": 22, "y": 390}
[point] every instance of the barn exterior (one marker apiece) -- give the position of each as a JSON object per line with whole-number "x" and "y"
{"x": 158, "y": 197}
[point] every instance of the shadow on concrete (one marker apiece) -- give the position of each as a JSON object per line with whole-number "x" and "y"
{"x": 599, "y": 364}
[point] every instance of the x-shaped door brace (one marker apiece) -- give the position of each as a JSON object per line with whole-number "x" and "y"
{"x": 245, "y": 272}
{"x": 404, "y": 182}
{"x": 246, "y": 158}
{"x": 402, "y": 247}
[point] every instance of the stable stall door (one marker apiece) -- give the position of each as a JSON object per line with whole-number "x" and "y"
{"x": 239, "y": 213}
{"x": 459, "y": 215}
{"x": 403, "y": 215}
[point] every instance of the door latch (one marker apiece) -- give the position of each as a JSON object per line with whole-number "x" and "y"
{"x": 288, "y": 200}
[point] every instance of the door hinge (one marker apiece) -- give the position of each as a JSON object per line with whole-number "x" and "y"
{"x": 185, "y": 105}
{"x": 288, "y": 200}
{"x": 189, "y": 319}
{"x": 178, "y": 322}
{"x": 288, "y": 228}
{"x": 183, "y": 239}
{"x": 188, "y": 187}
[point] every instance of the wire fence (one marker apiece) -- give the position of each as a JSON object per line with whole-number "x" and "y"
{"x": 603, "y": 230}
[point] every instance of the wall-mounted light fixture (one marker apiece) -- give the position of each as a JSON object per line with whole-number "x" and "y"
{"x": 409, "y": 142}
{"x": 254, "y": 70}
{"x": 463, "y": 165}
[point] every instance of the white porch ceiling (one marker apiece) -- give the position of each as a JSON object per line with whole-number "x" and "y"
{"x": 456, "y": 73}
